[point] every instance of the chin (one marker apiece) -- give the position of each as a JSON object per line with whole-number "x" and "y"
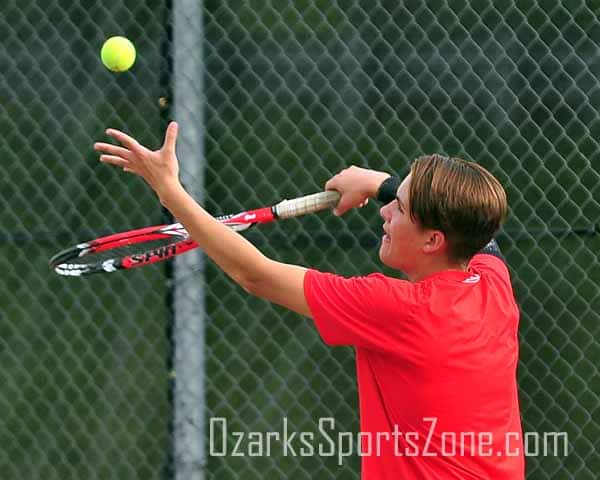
{"x": 396, "y": 264}
{"x": 382, "y": 255}
{"x": 385, "y": 259}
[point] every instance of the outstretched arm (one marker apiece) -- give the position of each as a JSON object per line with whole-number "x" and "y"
{"x": 245, "y": 264}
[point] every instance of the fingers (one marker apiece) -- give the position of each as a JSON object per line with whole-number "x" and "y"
{"x": 115, "y": 160}
{"x": 347, "y": 202}
{"x": 111, "y": 149}
{"x": 332, "y": 183}
{"x": 342, "y": 207}
{"x": 117, "y": 155}
{"x": 124, "y": 139}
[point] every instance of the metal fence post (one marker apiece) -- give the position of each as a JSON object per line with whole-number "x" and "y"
{"x": 188, "y": 290}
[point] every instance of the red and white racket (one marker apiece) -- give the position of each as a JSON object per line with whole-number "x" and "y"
{"x": 144, "y": 246}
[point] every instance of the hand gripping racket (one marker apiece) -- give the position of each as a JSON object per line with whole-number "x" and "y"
{"x": 144, "y": 246}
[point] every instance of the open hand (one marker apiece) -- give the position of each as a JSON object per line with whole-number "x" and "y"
{"x": 159, "y": 167}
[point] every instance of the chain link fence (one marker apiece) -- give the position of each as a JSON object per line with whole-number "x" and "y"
{"x": 293, "y": 91}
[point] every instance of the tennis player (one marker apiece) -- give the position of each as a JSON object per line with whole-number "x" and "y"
{"x": 436, "y": 354}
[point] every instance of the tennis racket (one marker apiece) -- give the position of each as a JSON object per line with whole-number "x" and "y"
{"x": 145, "y": 246}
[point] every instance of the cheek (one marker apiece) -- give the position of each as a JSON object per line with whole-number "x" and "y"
{"x": 398, "y": 228}
{"x": 404, "y": 234}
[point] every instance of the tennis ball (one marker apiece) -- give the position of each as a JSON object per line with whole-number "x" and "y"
{"x": 118, "y": 54}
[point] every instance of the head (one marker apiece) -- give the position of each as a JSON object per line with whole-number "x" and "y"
{"x": 446, "y": 210}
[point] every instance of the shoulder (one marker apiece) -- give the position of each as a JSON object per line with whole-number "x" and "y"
{"x": 374, "y": 291}
{"x": 359, "y": 283}
{"x": 490, "y": 264}
{"x": 496, "y": 281}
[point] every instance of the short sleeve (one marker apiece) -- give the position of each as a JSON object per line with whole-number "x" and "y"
{"x": 359, "y": 311}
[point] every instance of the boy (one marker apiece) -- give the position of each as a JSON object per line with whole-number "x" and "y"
{"x": 436, "y": 354}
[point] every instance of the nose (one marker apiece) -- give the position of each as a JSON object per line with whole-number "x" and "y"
{"x": 383, "y": 211}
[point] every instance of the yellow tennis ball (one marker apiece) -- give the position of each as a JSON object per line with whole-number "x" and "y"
{"x": 118, "y": 54}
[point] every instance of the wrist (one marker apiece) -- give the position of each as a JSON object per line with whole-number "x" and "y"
{"x": 168, "y": 190}
{"x": 377, "y": 180}
{"x": 388, "y": 189}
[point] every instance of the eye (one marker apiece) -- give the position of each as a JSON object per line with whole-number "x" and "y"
{"x": 400, "y": 204}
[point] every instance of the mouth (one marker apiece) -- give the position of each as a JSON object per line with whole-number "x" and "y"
{"x": 386, "y": 236}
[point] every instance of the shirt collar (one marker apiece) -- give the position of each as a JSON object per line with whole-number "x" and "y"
{"x": 463, "y": 276}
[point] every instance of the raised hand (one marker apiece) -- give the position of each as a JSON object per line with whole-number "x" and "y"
{"x": 159, "y": 168}
{"x": 356, "y": 185}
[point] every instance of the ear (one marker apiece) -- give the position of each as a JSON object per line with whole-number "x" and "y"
{"x": 435, "y": 242}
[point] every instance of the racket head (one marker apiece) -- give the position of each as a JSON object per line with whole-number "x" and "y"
{"x": 123, "y": 251}
{"x": 144, "y": 246}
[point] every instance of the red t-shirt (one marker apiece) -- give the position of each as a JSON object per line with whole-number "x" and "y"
{"x": 436, "y": 364}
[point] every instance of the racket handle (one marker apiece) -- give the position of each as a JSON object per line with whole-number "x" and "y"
{"x": 307, "y": 204}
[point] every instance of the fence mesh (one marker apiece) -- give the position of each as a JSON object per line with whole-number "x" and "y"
{"x": 294, "y": 92}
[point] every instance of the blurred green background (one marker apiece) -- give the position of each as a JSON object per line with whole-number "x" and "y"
{"x": 293, "y": 92}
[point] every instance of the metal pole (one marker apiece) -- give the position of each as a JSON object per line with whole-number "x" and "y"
{"x": 188, "y": 295}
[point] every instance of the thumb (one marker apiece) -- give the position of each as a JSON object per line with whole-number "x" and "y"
{"x": 171, "y": 137}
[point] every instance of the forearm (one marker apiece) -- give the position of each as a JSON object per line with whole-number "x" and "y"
{"x": 374, "y": 181}
{"x": 281, "y": 283}
{"x": 237, "y": 257}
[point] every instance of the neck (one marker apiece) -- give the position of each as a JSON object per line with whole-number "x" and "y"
{"x": 423, "y": 271}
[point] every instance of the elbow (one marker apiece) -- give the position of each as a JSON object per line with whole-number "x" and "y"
{"x": 256, "y": 281}
{"x": 252, "y": 286}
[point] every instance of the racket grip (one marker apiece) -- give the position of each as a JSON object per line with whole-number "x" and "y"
{"x": 307, "y": 204}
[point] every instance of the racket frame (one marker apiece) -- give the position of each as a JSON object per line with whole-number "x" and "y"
{"x": 65, "y": 261}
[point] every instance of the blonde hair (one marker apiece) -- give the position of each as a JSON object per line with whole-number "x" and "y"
{"x": 460, "y": 198}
